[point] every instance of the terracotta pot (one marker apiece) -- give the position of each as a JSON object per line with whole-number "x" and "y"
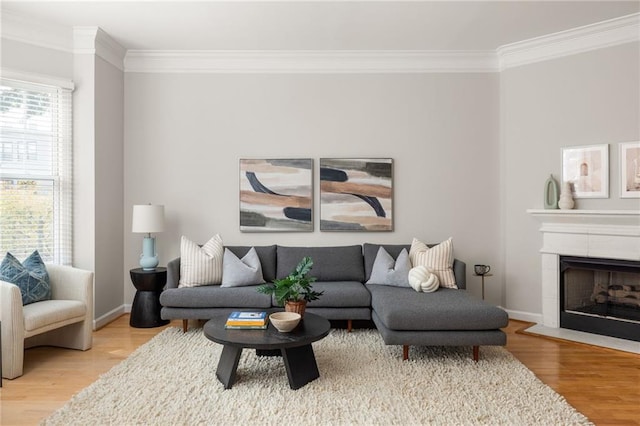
{"x": 298, "y": 307}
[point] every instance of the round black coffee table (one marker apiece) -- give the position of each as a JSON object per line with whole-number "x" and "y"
{"x": 295, "y": 347}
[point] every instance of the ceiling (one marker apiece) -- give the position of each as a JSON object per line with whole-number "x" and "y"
{"x": 320, "y": 25}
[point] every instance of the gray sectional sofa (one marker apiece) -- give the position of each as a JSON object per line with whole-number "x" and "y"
{"x": 447, "y": 317}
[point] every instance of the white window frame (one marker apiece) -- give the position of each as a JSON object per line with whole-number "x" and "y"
{"x": 62, "y": 250}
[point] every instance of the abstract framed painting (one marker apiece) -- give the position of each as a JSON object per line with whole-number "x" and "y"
{"x": 629, "y": 169}
{"x": 276, "y": 195}
{"x": 587, "y": 168}
{"x": 356, "y": 194}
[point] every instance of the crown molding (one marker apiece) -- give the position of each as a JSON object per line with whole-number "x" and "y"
{"x": 306, "y": 61}
{"x": 109, "y": 50}
{"x": 25, "y": 29}
{"x": 94, "y": 41}
{"x": 609, "y": 33}
{"x": 12, "y": 74}
{"x": 83, "y": 40}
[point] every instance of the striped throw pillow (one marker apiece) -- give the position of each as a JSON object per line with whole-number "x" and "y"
{"x": 438, "y": 259}
{"x": 201, "y": 265}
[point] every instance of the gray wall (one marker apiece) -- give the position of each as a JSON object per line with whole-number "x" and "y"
{"x": 34, "y": 59}
{"x": 584, "y": 99}
{"x": 471, "y": 153}
{"x": 98, "y": 179}
{"x": 109, "y": 184}
{"x": 184, "y": 135}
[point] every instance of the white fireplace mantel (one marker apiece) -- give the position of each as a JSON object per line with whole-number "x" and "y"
{"x": 606, "y": 234}
{"x": 610, "y": 234}
{"x": 592, "y": 217}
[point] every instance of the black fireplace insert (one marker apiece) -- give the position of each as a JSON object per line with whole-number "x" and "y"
{"x": 600, "y": 296}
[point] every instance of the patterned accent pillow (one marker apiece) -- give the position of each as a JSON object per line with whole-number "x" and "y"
{"x": 387, "y": 271}
{"x": 30, "y": 276}
{"x": 438, "y": 259}
{"x": 201, "y": 265}
{"x": 241, "y": 272}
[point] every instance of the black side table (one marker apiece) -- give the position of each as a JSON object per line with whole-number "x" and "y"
{"x": 482, "y": 276}
{"x": 145, "y": 310}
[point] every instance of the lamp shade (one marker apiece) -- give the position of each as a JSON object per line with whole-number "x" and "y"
{"x": 147, "y": 218}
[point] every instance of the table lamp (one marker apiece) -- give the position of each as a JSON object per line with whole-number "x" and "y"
{"x": 146, "y": 219}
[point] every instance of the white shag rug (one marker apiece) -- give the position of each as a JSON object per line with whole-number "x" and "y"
{"x": 171, "y": 381}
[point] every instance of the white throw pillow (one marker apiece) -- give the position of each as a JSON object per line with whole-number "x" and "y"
{"x": 438, "y": 259}
{"x": 387, "y": 271}
{"x": 201, "y": 265}
{"x": 421, "y": 279}
{"x": 241, "y": 272}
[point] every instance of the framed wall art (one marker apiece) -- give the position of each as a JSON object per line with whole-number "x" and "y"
{"x": 629, "y": 169}
{"x": 587, "y": 168}
{"x": 356, "y": 194}
{"x": 276, "y": 195}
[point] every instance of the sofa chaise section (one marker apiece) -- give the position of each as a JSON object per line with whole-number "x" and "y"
{"x": 446, "y": 317}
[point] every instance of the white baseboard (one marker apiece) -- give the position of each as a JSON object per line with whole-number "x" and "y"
{"x": 127, "y": 308}
{"x": 109, "y": 316}
{"x": 524, "y": 316}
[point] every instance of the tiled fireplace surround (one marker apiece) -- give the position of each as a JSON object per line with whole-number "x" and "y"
{"x": 607, "y": 234}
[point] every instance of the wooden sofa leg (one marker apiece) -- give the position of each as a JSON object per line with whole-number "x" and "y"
{"x": 349, "y": 326}
{"x": 476, "y": 353}
{"x": 405, "y": 352}
{"x": 185, "y": 325}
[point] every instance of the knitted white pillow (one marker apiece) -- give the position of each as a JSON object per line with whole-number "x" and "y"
{"x": 201, "y": 265}
{"x": 438, "y": 259}
{"x": 421, "y": 279}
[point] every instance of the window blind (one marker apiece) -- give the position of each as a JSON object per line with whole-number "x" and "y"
{"x": 36, "y": 170}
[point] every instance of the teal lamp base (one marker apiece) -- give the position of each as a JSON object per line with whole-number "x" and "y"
{"x": 149, "y": 258}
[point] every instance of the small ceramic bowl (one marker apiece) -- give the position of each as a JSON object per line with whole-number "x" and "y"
{"x": 284, "y": 322}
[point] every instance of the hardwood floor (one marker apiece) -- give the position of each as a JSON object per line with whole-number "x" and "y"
{"x": 601, "y": 383}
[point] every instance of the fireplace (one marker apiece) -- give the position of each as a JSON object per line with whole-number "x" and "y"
{"x": 609, "y": 236}
{"x": 600, "y": 296}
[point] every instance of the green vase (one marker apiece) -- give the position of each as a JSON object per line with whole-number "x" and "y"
{"x": 551, "y": 193}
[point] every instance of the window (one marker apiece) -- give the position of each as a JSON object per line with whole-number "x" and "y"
{"x": 7, "y": 152}
{"x": 35, "y": 170}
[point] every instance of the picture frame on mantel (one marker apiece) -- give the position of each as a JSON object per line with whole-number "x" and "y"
{"x": 587, "y": 169}
{"x": 629, "y": 157}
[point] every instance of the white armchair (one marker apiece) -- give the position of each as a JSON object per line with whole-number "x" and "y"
{"x": 65, "y": 321}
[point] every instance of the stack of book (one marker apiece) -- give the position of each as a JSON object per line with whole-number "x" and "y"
{"x": 247, "y": 320}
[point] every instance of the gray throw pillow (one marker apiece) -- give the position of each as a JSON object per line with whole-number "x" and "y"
{"x": 241, "y": 272}
{"x": 387, "y": 271}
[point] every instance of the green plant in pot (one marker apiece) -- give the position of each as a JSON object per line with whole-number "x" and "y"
{"x": 295, "y": 290}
